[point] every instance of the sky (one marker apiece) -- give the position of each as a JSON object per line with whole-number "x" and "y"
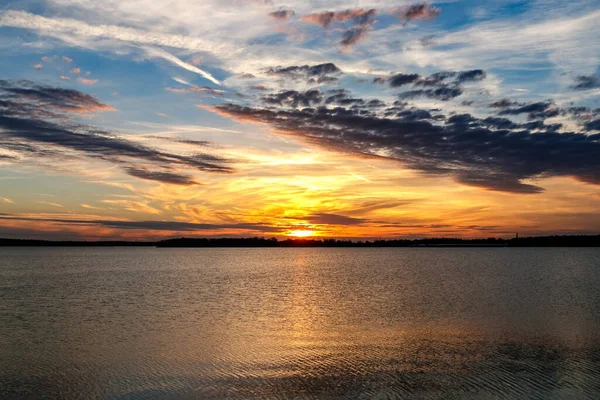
{"x": 143, "y": 120}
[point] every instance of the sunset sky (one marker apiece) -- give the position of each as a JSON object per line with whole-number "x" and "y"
{"x": 359, "y": 119}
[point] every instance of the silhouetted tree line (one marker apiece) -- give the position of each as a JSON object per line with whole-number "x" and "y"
{"x": 540, "y": 241}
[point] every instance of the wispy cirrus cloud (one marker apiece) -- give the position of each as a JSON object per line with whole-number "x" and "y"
{"x": 141, "y": 39}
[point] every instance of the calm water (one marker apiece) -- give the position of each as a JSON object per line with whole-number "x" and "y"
{"x": 494, "y": 323}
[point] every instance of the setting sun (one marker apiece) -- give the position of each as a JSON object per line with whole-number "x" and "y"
{"x": 302, "y": 233}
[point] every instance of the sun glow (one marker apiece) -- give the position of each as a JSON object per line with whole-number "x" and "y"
{"x": 302, "y": 233}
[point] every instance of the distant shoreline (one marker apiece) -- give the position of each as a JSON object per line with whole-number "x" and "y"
{"x": 258, "y": 242}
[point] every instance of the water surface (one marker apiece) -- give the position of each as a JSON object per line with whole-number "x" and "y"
{"x": 145, "y": 323}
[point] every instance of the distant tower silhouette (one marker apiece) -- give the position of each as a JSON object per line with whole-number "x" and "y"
{"x": 516, "y": 237}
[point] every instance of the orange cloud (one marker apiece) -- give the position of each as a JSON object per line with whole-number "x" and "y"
{"x": 324, "y": 19}
{"x": 76, "y": 70}
{"x": 85, "y": 81}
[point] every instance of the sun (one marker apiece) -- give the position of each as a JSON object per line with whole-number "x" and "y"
{"x": 301, "y": 233}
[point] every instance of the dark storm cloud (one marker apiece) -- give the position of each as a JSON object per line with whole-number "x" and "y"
{"x": 320, "y": 73}
{"x": 586, "y": 82}
{"x": 282, "y": 14}
{"x": 29, "y": 129}
{"x": 475, "y": 152}
{"x": 333, "y": 219}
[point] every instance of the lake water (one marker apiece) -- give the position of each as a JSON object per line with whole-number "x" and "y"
{"x": 145, "y": 323}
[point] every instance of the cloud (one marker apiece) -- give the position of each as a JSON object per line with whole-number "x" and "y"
{"x": 443, "y": 93}
{"x": 48, "y": 203}
{"x": 473, "y": 151}
{"x": 259, "y": 87}
{"x": 586, "y": 82}
{"x": 342, "y": 97}
{"x": 418, "y": 11}
{"x": 76, "y": 70}
{"x": 354, "y": 35}
{"x": 167, "y": 226}
{"x": 282, "y": 14}
{"x": 144, "y": 40}
{"x": 85, "y": 81}
{"x": 65, "y": 78}
{"x": 25, "y": 98}
{"x": 503, "y": 103}
{"x": 38, "y": 66}
{"x": 324, "y": 19}
{"x": 593, "y": 125}
{"x": 34, "y": 123}
{"x": 333, "y": 219}
{"x": 542, "y": 109}
{"x": 6, "y": 200}
{"x": 292, "y": 98}
{"x": 161, "y": 176}
{"x": 197, "y": 89}
{"x": 402, "y": 79}
{"x": 441, "y": 80}
{"x": 361, "y": 18}
{"x": 470, "y": 76}
{"x": 67, "y": 59}
{"x": 154, "y": 52}
{"x": 90, "y": 207}
{"x": 191, "y": 142}
{"x": 311, "y": 74}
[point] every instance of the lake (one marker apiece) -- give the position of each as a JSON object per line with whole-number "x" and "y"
{"x": 334, "y": 323}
